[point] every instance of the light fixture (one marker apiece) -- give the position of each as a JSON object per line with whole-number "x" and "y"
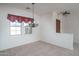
{"x": 33, "y": 22}
{"x": 64, "y": 13}
{"x": 33, "y": 11}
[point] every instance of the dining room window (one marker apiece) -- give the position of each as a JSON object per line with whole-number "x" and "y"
{"x": 15, "y": 28}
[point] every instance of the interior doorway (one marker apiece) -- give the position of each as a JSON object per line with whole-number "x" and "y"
{"x": 58, "y": 26}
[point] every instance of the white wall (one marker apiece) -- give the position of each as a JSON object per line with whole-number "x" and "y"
{"x": 7, "y": 41}
{"x": 71, "y": 25}
{"x": 48, "y": 30}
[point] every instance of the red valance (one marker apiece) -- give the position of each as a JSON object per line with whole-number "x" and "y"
{"x": 14, "y": 18}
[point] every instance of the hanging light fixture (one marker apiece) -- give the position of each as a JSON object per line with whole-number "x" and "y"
{"x": 33, "y": 24}
{"x": 33, "y": 11}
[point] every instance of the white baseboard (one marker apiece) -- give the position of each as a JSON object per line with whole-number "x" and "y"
{"x": 50, "y": 42}
{"x": 2, "y": 49}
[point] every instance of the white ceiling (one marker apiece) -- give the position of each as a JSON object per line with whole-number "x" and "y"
{"x": 43, "y": 8}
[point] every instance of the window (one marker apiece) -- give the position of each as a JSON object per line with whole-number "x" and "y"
{"x": 15, "y": 28}
{"x": 26, "y": 24}
{"x": 28, "y": 29}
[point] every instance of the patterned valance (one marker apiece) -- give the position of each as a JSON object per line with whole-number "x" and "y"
{"x": 14, "y": 18}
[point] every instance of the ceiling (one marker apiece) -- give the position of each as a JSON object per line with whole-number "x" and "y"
{"x": 42, "y": 8}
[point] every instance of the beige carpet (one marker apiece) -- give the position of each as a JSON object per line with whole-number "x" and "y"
{"x": 40, "y": 49}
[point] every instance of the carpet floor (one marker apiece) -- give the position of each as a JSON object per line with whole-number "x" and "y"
{"x": 40, "y": 49}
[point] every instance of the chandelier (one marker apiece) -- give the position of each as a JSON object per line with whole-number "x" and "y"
{"x": 33, "y": 24}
